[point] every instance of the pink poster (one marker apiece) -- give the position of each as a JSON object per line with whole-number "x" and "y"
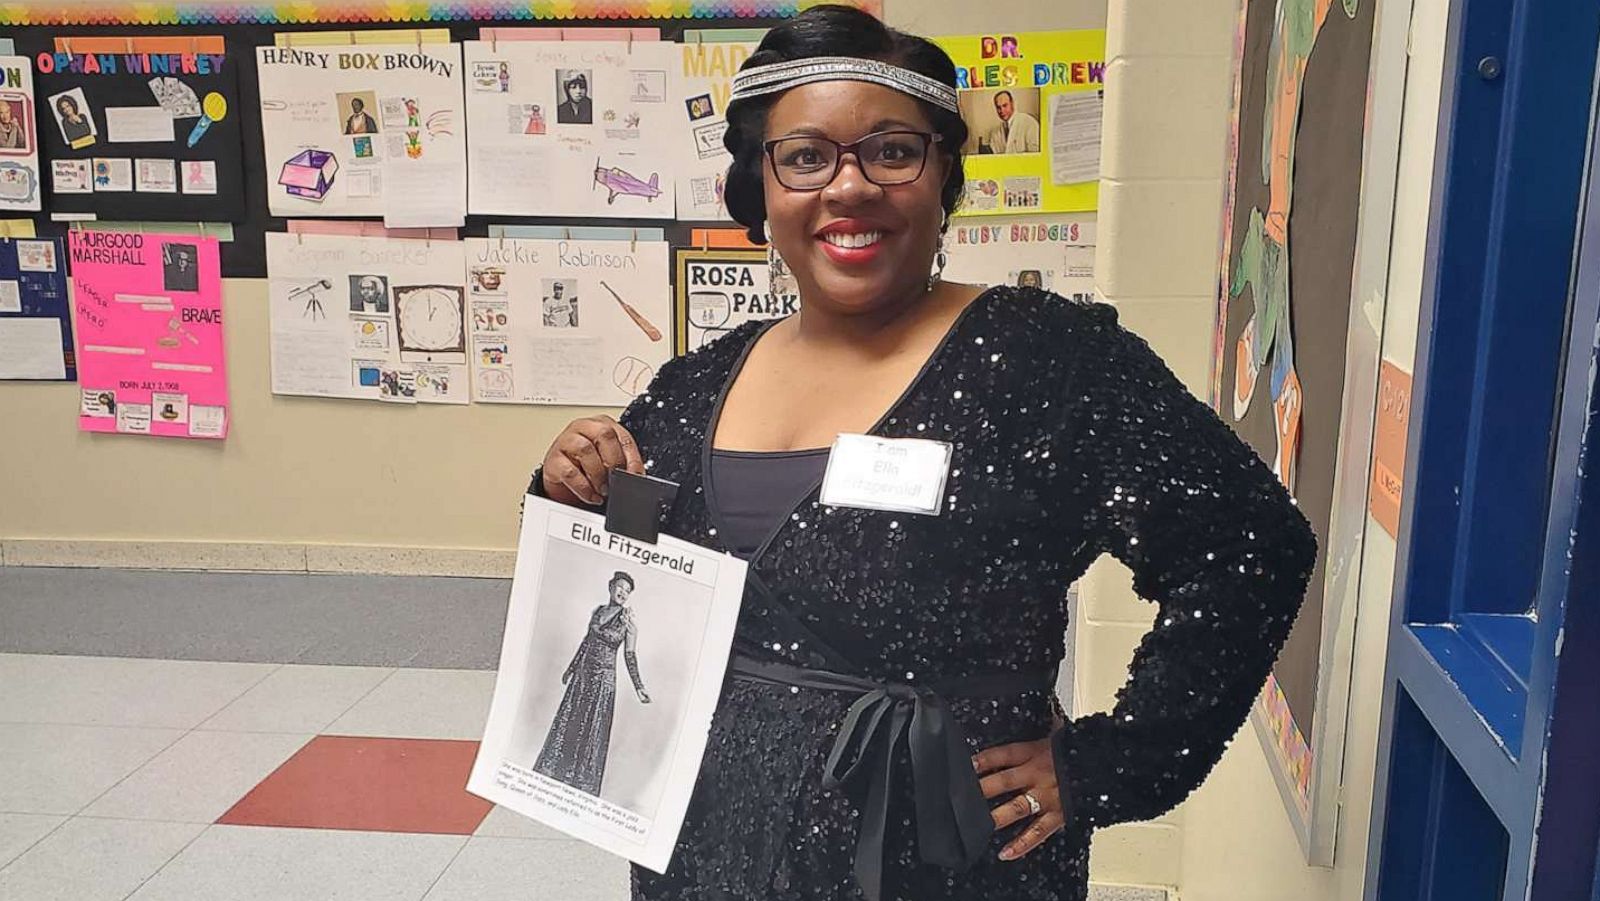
{"x": 148, "y": 316}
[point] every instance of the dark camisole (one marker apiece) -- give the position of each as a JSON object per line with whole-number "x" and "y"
{"x": 757, "y": 489}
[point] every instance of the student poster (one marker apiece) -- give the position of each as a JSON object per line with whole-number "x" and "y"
{"x": 573, "y": 128}
{"x": 614, "y": 655}
{"x": 367, "y": 318}
{"x": 567, "y": 322}
{"x": 1054, "y": 254}
{"x": 720, "y": 289}
{"x": 1032, "y": 103}
{"x": 35, "y": 320}
{"x": 365, "y": 130}
{"x": 142, "y": 128}
{"x": 702, "y": 81}
{"x": 19, "y": 142}
{"x": 148, "y": 313}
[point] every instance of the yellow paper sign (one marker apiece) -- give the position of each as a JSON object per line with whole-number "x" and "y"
{"x": 1032, "y": 102}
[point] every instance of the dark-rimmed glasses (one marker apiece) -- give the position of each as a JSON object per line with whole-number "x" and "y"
{"x": 886, "y": 158}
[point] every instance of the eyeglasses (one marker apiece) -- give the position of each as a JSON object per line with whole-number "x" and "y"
{"x": 886, "y": 158}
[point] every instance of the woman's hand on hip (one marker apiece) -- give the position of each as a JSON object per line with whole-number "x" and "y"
{"x": 1024, "y": 769}
{"x": 578, "y": 465}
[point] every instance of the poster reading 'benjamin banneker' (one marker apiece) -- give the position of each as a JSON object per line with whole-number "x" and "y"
{"x": 614, "y": 655}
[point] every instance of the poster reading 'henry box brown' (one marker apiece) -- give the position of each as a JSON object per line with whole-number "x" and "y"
{"x": 365, "y": 130}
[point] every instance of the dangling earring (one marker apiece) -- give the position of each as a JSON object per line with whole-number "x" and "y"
{"x": 940, "y": 259}
{"x": 780, "y": 282}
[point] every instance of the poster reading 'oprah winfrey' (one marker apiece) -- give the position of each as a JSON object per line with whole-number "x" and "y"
{"x": 614, "y": 654}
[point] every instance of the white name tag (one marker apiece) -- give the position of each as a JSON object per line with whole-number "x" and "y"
{"x": 905, "y": 475}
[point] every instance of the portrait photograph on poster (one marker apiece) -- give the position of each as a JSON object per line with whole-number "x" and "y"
{"x": 1005, "y": 120}
{"x": 613, "y": 658}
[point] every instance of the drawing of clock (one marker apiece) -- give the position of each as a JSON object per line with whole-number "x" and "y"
{"x": 430, "y": 321}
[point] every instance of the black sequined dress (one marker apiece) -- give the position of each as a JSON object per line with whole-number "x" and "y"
{"x": 580, "y": 735}
{"x": 1071, "y": 439}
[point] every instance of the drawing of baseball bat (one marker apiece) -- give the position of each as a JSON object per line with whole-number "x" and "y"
{"x": 643, "y": 323}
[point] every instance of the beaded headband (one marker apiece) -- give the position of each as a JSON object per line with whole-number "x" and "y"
{"x": 770, "y": 79}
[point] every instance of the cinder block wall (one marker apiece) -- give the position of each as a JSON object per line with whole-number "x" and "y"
{"x": 1168, "y": 94}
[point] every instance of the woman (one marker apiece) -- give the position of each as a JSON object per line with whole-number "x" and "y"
{"x": 575, "y": 750}
{"x": 868, "y": 639}
{"x": 12, "y": 134}
{"x": 75, "y": 126}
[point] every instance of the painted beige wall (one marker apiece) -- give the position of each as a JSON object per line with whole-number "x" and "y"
{"x": 1168, "y": 80}
{"x": 349, "y": 484}
{"x": 1238, "y": 844}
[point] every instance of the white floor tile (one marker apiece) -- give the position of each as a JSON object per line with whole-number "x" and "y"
{"x": 503, "y": 823}
{"x": 198, "y": 778}
{"x": 52, "y": 768}
{"x": 247, "y": 863}
{"x": 93, "y": 860}
{"x": 298, "y": 699}
{"x": 517, "y": 869}
{"x": 19, "y": 832}
{"x": 116, "y": 691}
{"x": 420, "y": 703}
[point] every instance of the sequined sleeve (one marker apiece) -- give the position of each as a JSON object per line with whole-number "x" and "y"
{"x": 1213, "y": 539}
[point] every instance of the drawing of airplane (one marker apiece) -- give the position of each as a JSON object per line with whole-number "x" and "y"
{"x": 619, "y": 182}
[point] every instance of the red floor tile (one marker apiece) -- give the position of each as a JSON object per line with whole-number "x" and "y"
{"x": 369, "y": 784}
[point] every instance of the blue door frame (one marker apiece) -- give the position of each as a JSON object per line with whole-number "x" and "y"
{"x": 1489, "y": 754}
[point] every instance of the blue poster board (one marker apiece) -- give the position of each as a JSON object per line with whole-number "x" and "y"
{"x": 35, "y": 319}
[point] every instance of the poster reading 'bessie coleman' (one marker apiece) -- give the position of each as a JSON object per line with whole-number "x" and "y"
{"x": 614, "y": 655}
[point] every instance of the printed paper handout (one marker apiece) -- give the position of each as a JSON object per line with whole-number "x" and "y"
{"x": 567, "y": 322}
{"x": 365, "y": 130}
{"x": 1031, "y": 102}
{"x": 19, "y": 143}
{"x": 613, "y": 659}
{"x": 35, "y": 319}
{"x": 142, "y": 128}
{"x": 720, "y": 290}
{"x": 702, "y": 81}
{"x": 148, "y": 314}
{"x": 1054, "y": 254}
{"x": 367, "y": 318}
{"x": 570, "y": 128}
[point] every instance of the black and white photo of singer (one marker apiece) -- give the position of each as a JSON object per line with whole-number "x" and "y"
{"x": 575, "y": 750}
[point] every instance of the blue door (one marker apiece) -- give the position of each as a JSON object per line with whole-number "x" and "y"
{"x": 1489, "y": 783}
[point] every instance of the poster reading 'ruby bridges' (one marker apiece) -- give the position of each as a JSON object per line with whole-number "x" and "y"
{"x": 148, "y": 315}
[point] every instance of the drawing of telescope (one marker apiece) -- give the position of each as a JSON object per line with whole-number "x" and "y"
{"x": 310, "y": 294}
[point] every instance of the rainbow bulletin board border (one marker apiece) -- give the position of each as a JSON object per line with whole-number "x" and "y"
{"x": 304, "y": 12}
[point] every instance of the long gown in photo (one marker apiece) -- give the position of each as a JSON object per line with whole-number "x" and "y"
{"x": 575, "y": 749}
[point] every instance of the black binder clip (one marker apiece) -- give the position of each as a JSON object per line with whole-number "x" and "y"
{"x": 636, "y": 505}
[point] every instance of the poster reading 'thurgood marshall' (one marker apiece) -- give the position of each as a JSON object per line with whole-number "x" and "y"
{"x": 614, "y": 654}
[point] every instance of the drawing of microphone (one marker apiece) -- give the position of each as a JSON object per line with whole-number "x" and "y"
{"x": 643, "y": 323}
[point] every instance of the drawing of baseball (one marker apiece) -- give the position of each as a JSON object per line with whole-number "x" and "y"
{"x": 632, "y": 375}
{"x": 639, "y": 320}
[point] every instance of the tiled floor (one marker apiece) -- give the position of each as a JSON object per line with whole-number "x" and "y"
{"x": 147, "y": 778}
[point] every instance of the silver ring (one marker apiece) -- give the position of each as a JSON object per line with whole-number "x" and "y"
{"x": 1033, "y": 804}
